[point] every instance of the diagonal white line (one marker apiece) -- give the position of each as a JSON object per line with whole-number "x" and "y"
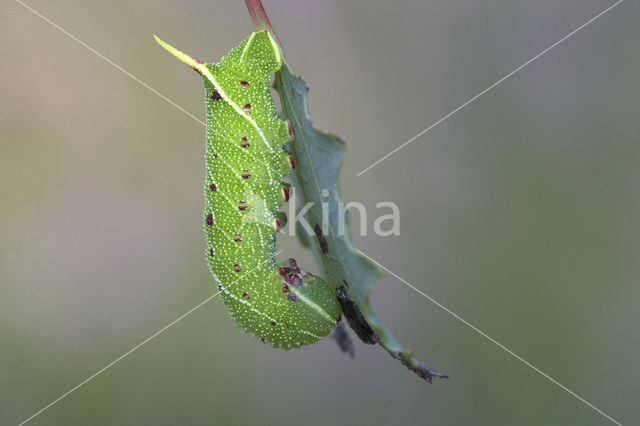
{"x": 494, "y": 341}
{"x": 120, "y": 358}
{"x": 190, "y": 311}
{"x": 109, "y": 61}
{"x": 101, "y": 56}
{"x": 491, "y": 87}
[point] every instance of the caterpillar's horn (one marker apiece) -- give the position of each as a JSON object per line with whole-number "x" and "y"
{"x": 192, "y": 62}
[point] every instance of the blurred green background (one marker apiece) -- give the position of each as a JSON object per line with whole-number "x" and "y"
{"x": 520, "y": 213}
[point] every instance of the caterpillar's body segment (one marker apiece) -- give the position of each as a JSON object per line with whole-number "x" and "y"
{"x": 245, "y": 163}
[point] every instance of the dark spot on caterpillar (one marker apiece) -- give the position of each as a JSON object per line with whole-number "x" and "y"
{"x": 242, "y": 206}
{"x": 355, "y": 318}
{"x": 236, "y": 267}
{"x": 292, "y": 274}
{"x": 273, "y": 323}
{"x": 213, "y": 187}
{"x": 219, "y": 287}
{"x": 211, "y": 251}
{"x": 280, "y": 221}
{"x": 237, "y": 238}
{"x": 247, "y": 108}
{"x": 215, "y": 155}
{"x": 245, "y": 142}
{"x": 263, "y": 341}
{"x": 245, "y": 174}
{"x": 321, "y": 239}
{"x": 285, "y": 288}
{"x": 292, "y": 162}
{"x": 244, "y": 84}
{"x": 286, "y": 193}
{"x": 294, "y": 280}
{"x": 292, "y": 297}
{"x": 216, "y": 96}
{"x": 210, "y": 219}
{"x": 246, "y": 295}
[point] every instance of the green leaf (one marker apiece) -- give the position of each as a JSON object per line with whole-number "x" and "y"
{"x": 318, "y": 156}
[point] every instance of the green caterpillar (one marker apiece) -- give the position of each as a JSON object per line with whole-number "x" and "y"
{"x": 244, "y": 190}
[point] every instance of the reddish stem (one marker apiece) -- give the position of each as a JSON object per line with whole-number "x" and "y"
{"x": 259, "y": 18}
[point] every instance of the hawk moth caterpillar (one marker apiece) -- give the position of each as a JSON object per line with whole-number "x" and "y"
{"x": 246, "y": 162}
